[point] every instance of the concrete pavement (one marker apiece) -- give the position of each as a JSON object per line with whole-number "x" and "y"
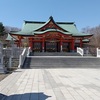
{"x": 52, "y": 84}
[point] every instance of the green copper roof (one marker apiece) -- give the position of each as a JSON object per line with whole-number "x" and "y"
{"x": 41, "y": 32}
{"x": 31, "y": 28}
{"x": 69, "y": 27}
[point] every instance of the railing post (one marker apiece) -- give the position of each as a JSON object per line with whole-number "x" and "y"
{"x": 77, "y": 49}
{"x": 98, "y": 52}
{"x": 28, "y": 51}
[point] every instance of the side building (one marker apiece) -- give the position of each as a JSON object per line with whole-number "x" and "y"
{"x": 50, "y": 36}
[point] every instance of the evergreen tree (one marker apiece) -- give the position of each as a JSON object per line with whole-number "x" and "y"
{"x": 1, "y": 29}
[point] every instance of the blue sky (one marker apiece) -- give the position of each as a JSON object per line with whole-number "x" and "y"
{"x": 83, "y": 12}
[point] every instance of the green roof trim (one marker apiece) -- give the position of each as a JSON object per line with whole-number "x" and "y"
{"x": 22, "y": 33}
{"x": 51, "y": 30}
{"x": 81, "y": 34}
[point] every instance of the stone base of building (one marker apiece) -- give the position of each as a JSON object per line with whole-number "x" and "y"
{"x": 72, "y": 50}
{"x": 2, "y": 69}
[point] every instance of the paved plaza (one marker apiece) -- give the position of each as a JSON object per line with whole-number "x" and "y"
{"x": 52, "y": 84}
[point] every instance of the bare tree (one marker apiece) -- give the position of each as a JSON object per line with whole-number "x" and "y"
{"x": 8, "y": 29}
{"x": 95, "y": 39}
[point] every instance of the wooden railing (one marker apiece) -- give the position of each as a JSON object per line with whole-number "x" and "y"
{"x": 80, "y": 51}
{"x": 22, "y": 57}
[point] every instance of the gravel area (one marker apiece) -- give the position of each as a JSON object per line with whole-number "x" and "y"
{"x": 2, "y": 76}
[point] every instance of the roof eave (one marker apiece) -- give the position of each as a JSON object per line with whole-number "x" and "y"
{"x": 88, "y": 35}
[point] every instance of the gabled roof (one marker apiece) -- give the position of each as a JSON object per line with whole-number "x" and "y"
{"x": 33, "y": 27}
{"x": 51, "y": 20}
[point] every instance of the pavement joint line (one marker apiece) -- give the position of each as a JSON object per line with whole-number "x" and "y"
{"x": 61, "y": 57}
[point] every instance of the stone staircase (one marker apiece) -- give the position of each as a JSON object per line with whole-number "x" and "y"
{"x": 60, "y": 60}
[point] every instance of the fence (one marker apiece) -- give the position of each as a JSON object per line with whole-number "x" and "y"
{"x": 80, "y": 51}
{"x": 12, "y": 52}
{"x": 9, "y": 54}
{"x": 1, "y": 63}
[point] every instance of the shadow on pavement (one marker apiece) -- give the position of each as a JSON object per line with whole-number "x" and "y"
{"x": 26, "y": 96}
{"x": 2, "y": 96}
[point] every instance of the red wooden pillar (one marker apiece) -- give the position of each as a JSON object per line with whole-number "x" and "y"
{"x": 72, "y": 45}
{"x": 31, "y": 42}
{"x": 29, "y": 39}
{"x": 33, "y": 46}
{"x": 60, "y": 45}
{"x": 43, "y": 45}
{"x": 19, "y": 44}
{"x": 81, "y": 43}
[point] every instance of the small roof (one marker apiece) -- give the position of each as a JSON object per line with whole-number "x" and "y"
{"x": 9, "y": 37}
{"x": 85, "y": 40}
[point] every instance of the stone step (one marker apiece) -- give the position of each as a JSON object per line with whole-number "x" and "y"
{"x": 61, "y": 62}
{"x": 54, "y": 54}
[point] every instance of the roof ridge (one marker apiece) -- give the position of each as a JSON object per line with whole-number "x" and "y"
{"x": 65, "y": 22}
{"x": 42, "y": 22}
{"x": 34, "y": 22}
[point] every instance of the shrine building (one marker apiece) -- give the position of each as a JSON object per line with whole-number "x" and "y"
{"x": 50, "y": 36}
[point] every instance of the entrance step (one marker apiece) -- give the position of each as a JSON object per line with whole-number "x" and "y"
{"x": 54, "y": 54}
{"x": 61, "y": 62}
